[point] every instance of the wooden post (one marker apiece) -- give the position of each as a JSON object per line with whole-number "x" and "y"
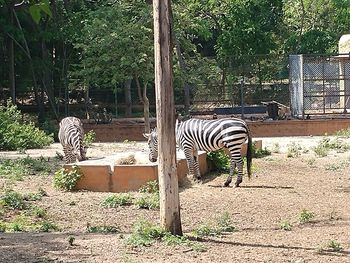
{"x": 170, "y": 218}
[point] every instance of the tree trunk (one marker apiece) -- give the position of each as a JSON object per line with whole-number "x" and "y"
{"x": 11, "y": 57}
{"x": 170, "y": 218}
{"x": 145, "y": 102}
{"x": 128, "y": 102}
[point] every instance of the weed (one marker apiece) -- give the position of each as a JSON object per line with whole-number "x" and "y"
{"x": 285, "y": 225}
{"x": 12, "y": 199}
{"x": 71, "y": 240}
{"x": 205, "y": 231}
{"x": 311, "y": 161}
{"x": 47, "y": 226}
{"x": 115, "y": 200}
{"x": 334, "y": 245}
{"x": 338, "y": 166}
{"x": 260, "y": 153}
{"x": 2, "y": 227}
{"x": 102, "y": 229}
{"x": 44, "y": 260}
{"x": 148, "y": 202}
{"x": 39, "y": 212}
{"x": 293, "y": 150}
{"x": 276, "y": 148}
{"x": 305, "y": 216}
{"x": 225, "y": 223}
{"x": 67, "y": 180}
{"x": 144, "y": 234}
{"x": 151, "y": 187}
{"x": 89, "y": 138}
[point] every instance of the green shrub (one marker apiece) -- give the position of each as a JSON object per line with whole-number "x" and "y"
{"x": 16, "y": 134}
{"x": 305, "y": 216}
{"x": 115, "y": 200}
{"x": 89, "y": 138}
{"x": 102, "y": 229}
{"x": 144, "y": 234}
{"x": 12, "y": 199}
{"x": 148, "y": 202}
{"x": 67, "y": 180}
{"x": 220, "y": 160}
{"x": 151, "y": 187}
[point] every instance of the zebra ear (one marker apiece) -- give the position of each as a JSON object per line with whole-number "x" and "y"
{"x": 146, "y": 135}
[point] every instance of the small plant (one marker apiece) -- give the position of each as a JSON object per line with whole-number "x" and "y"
{"x": 225, "y": 224}
{"x": 151, "y": 187}
{"x": 260, "y": 153}
{"x": 334, "y": 245}
{"x": 205, "y": 231}
{"x": 115, "y": 200}
{"x": 148, "y": 202}
{"x": 321, "y": 151}
{"x": 47, "y": 226}
{"x": 39, "y": 212}
{"x": 89, "y": 138}
{"x": 293, "y": 150}
{"x": 285, "y": 225}
{"x": 220, "y": 160}
{"x": 12, "y": 199}
{"x": 311, "y": 161}
{"x": 276, "y": 148}
{"x": 67, "y": 180}
{"x": 2, "y": 227}
{"x": 71, "y": 240}
{"x": 102, "y": 229}
{"x": 144, "y": 234}
{"x": 305, "y": 216}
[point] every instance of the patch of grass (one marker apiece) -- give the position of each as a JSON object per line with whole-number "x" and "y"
{"x": 225, "y": 224}
{"x": 151, "y": 187}
{"x": 45, "y": 260}
{"x": 47, "y": 226}
{"x": 338, "y": 166}
{"x": 334, "y": 246}
{"x": 38, "y": 212}
{"x": 67, "y": 180}
{"x": 144, "y": 234}
{"x": 13, "y": 200}
{"x": 104, "y": 229}
{"x": 327, "y": 144}
{"x": 276, "y": 148}
{"x": 115, "y": 200}
{"x": 294, "y": 150}
{"x": 306, "y": 216}
{"x": 150, "y": 201}
{"x": 260, "y": 153}
{"x": 285, "y": 225}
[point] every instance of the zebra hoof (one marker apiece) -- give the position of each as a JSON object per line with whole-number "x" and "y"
{"x": 227, "y": 184}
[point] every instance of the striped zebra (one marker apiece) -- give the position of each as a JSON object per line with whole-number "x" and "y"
{"x": 71, "y": 135}
{"x": 209, "y": 135}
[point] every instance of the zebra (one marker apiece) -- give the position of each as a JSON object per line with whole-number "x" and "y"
{"x": 71, "y": 136}
{"x": 209, "y": 135}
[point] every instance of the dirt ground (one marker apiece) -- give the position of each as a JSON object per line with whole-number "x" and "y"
{"x": 282, "y": 189}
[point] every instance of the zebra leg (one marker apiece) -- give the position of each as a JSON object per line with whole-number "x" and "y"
{"x": 191, "y": 163}
{"x": 196, "y": 164}
{"x": 239, "y": 163}
{"x": 232, "y": 170}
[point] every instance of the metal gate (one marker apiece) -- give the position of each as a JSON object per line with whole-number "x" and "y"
{"x": 319, "y": 85}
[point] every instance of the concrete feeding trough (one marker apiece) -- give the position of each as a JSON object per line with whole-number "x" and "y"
{"x": 128, "y": 171}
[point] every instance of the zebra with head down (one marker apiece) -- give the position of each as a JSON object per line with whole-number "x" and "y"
{"x": 71, "y": 136}
{"x": 209, "y": 135}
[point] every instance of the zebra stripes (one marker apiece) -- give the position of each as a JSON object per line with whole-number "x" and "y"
{"x": 71, "y": 135}
{"x": 210, "y": 135}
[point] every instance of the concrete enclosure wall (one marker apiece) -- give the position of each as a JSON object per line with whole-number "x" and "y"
{"x": 121, "y": 131}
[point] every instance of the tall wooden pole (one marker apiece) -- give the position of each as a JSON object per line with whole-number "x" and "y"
{"x": 170, "y": 218}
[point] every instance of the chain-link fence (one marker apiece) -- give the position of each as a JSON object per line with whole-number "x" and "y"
{"x": 320, "y": 85}
{"x": 244, "y": 80}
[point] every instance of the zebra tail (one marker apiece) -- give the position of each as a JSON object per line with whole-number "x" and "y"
{"x": 249, "y": 155}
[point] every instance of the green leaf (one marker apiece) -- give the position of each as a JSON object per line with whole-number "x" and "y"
{"x": 34, "y": 11}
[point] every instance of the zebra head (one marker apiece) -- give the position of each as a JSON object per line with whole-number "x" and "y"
{"x": 152, "y": 145}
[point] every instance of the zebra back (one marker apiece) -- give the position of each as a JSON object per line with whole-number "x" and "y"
{"x": 71, "y": 136}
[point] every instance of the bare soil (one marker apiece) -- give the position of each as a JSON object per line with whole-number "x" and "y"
{"x": 282, "y": 189}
